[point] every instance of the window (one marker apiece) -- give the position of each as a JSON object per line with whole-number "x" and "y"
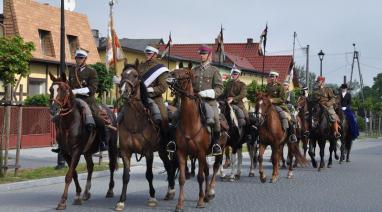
{"x": 46, "y": 43}
{"x": 36, "y": 86}
{"x": 73, "y": 44}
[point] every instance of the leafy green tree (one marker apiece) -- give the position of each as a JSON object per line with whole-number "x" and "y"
{"x": 37, "y": 100}
{"x": 301, "y": 75}
{"x": 105, "y": 78}
{"x": 15, "y": 55}
{"x": 252, "y": 89}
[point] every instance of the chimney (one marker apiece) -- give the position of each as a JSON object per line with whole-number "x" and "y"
{"x": 249, "y": 40}
{"x": 95, "y": 33}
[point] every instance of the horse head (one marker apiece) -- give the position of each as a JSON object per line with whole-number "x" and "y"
{"x": 129, "y": 86}
{"x": 316, "y": 112}
{"x": 61, "y": 95}
{"x": 180, "y": 81}
{"x": 262, "y": 105}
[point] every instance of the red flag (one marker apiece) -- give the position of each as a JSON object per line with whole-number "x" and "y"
{"x": 168, "y": 46}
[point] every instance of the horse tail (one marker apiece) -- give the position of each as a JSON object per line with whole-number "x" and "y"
{"x": 294, "y": 148}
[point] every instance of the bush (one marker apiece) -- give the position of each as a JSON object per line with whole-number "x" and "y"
{"x": 37, "y": 100}
{"x": 361, "y": 123}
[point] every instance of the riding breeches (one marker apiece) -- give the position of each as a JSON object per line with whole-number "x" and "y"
{"x": 332, "y": 114}
{"x": 214, "y": 106}
{"x": 284, "y": 116}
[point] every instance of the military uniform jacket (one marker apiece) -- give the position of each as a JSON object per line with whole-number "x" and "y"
{"x": 290, "y": 98}
{"x": 207, "y": 77}
{"x": 276, "y": 92}
{"x": 323, "y": 96}
{"x": 84, "y": 77}
{"x": 159, "y": 85}
{"x": 237, "y": 90}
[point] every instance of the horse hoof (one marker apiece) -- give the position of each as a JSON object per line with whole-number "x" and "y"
{"x": 283, "y": 166}
{"x": 329, "y": 165}
{"x": 347, "y": 160}
{"x": 120, "y": 206}
{"x": 86, "y": 196}
{"x": 274, "y": 180}
{"x": 192, "y": 174}
{"x": 170, "y": 195}
{"x": 178, "y": 209}
{"x": 152, "y": 202}
{"x": 61, "y": 206}
{"x": 211, "y": 196}
{"x": 206, "y": 199}
{"x": 77, "y": 201}
{"x": 336, "y": 157}
{"x": 237, "y": 176}
{"x": 263, "y": 179}
{"x": 109, "y": 194}
{"x": 251, "y": 174}
{"x": 290, "y": 176}
{"x": 201, "y": 205}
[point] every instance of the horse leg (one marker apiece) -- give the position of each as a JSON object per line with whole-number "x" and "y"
{"x": 233, "y": 166}
{"x": 305, "y": 145}
{"x": 72, "y": 162}
{"x": 206, "y": 177}
{"x": 332, "y": 148}
{"x": 201, "y": 177}
{"x": 290, "y": 157}
{"x": 170, "y": 169}
{"x": 212, "y": 184}
{"x": 283, "y": 165}
{"x": 312, "y": 153}
{"x": 125, "y": 179}
{"x": 239, "y": 163}
{"x": 348, "y": 149}
{"x": 182, "y": 179}
{"x": 89, "y": 165}
{"x": 252, "y": 160}
{"x": 275, "y": 161}
{"x": 342, "y": 150}
{"x": 263, "y": 177}
{"x": 322, "y": 143}
{"x": 113, "y": 165}
{"x": 193, "y": 166}
{"x": 227, "y": 161}
{"x": 152, "y": 202}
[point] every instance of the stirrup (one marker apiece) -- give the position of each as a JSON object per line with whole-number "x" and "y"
{"x": 171, "y": 147}
{"x": 293, "y": 138}
{"x": 219, "y": 150}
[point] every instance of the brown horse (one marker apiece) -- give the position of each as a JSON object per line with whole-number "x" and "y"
{"x": 303, "y": 124}
{"x": 346, "y": 137}
{"x": 271, "y": 133}
{"x": 193, "y": 138}
{"x": 74, "y": 140}
{"x": 140, "y": 135}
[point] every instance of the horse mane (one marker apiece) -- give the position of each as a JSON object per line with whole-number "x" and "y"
{"x": 144, "y": 94}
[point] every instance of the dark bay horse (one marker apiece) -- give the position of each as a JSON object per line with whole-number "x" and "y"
{"x": 346, "y": 136}
{"x": 320, "y": 132}
{"x": 74, "y": 140}
{"x": 302, "y": 124}
{"x": 140, "y": 135}
{"x": 271, "y": 133}
{"x": 193, "y": 138}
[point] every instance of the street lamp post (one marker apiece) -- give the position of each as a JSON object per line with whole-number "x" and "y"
{"x": 321, "y": 55}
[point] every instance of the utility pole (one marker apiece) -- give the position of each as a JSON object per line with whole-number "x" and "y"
{"x": 62, "y": 40}
{"x": 294, "y": 42}
{"x": 307, "y": 67}
{"x": 356, "y": 57}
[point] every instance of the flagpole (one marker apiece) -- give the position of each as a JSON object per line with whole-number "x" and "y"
{"x": 62, "y": 40}
{"x": 262, "y": 76}
{"x": 168, "y": 62}
{"x": 111, "y": 4}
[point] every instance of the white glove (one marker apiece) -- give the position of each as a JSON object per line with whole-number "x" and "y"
{"x": 116, "y": 80}
{"x": 150, "y": 89}
{"x": 209, "y": 93}
{"x": 343, "y": 108}
{"x": 82, "y": 91}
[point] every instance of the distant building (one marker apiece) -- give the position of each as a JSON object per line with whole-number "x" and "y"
{"x": 40, "y": 24}
{"x": 1, "y": 25}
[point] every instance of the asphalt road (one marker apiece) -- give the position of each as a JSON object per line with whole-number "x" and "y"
{"x": 354, "y": 186}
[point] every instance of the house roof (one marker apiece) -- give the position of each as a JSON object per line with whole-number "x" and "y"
{"x": 280, "y": 63}
{"x": 26, "y": 18}
{"x": 132, "y": 44}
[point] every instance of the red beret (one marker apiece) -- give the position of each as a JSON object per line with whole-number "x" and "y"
{"x": 204, "y": 49}
{"x": 320, "y": 79}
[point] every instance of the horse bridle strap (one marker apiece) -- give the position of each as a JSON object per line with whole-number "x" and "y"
{"x": 64, "y": 111}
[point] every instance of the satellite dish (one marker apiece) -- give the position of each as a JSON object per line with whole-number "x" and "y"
{"x": 69, "y": 5}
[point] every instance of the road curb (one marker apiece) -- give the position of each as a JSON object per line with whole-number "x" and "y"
{"x": 46, "y": 181}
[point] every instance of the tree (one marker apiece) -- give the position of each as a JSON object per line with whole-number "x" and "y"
{"x": 105, "y": 78}
{"x": 301, "y": 75}
{"x": 252, "y": 89}
{"x": 15, "y": 55}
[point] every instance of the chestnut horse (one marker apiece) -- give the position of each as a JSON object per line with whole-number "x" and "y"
{"x": 74, "y": 140}
{"x": 302, "y": 124}
{"x": 140, "y": 135}
{"x": 271, "y": 133}
{"x": 193, "y": 138}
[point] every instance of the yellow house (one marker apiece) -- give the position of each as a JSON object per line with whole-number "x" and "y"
{"x": 40, "y": 24}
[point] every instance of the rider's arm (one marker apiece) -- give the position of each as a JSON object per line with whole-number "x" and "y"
{"x": 161, "y": 86}
{"x": 217, "y": 84}
{"x": 242, "y": 94}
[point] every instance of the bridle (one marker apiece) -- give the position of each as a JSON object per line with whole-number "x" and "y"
{"x": 260, "y": 117}
{"x": 63, "y": 111}
{"x": 177, "y": 89}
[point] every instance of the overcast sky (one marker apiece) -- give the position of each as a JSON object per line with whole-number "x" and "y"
{"x": 330, "y": 25}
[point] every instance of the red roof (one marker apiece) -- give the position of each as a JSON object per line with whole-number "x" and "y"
{"x": 281, "y": 64}
{"x": 244, "y": 55}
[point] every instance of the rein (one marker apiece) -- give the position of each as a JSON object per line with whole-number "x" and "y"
{"x": 64, "y": 111}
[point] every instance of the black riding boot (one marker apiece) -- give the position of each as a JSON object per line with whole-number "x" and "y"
{"x": 292, "y": 136}
{"x": 171, "y": 145}
{"x": 216, "y": 149}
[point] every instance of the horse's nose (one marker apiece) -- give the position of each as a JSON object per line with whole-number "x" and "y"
{"x": 53, "y": 109}
{"x": 170, "y": 80}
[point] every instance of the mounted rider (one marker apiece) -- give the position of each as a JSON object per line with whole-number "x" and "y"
{"x": 277, "y": 95}
{"x": 234, "y": 92}
{"x": 325, "y": 97}
{"x": 154, "y": 75}
{"x": 290, "y": 99}
{"x": 345, "y": 101}
{"x": 83, "y": 81}
{"x": 208, "y": 85}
